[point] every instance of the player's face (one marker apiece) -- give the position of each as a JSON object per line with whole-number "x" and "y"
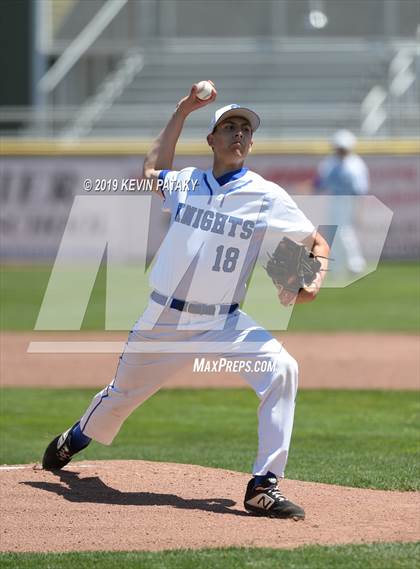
{"x": 342, "y": 152}
{"x": 232, "y": 139}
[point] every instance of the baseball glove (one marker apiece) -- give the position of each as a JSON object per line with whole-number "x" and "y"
{"x": 292, "y": 266}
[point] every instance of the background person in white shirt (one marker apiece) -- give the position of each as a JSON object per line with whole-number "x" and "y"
{"x": 344, "y": 174}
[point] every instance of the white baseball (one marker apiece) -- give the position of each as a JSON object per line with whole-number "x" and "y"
{"x": 204, "y": 90}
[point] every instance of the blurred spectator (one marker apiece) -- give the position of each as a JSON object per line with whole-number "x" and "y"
{"x": 344, "y": 174}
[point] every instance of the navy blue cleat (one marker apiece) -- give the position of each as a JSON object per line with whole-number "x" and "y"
{"x": 265, "y": 499}
{"x": 61, "y": 450}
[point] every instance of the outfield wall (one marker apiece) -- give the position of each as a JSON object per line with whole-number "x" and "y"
{"x": 40, "y": 179}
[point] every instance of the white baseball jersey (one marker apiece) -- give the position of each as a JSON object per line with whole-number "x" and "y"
{"x": 343, "y": 176}
{"x": 216, "y": 231}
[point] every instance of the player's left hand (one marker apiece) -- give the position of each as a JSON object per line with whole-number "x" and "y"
{"x": 287, "y": 297}
{"x": 191, "y": 102}
{"x": 310, "y": 292}
{"x": 315, "y": 285}
{"x": 295, "y": 271}
{"x": 305, "y": 294}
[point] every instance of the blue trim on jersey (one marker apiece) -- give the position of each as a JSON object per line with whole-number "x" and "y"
{"x": 207, "y": 184}
{"x": 162, "y": 174}
{"x": 96, "y": 406}
{"x": 229, "y": 176}
{"x": 239, "y": 187}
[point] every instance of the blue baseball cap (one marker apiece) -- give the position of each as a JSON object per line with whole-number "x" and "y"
{"x": 234, "y": 110}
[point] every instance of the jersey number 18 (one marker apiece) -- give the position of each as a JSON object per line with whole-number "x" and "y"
{"x": 229, "y": 263}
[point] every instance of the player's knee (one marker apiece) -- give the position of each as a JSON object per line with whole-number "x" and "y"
{"x": 286, "y": 372}
{"x": 287, "y": 366}
{"x": 292, "y": 367}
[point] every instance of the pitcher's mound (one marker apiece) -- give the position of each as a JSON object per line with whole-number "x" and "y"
{"x": 136, "y": 505}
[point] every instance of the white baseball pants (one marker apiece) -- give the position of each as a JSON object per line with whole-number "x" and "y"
{"x": 164, "y": 340}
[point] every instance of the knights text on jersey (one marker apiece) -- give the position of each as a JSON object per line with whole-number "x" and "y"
{"x": 217, "y": 230}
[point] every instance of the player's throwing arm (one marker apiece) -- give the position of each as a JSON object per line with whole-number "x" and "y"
{"x": 161, "y": 154}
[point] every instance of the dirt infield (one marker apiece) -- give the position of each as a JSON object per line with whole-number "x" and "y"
{"x": 136, "y": 505}
{"x": 337, "y": 361}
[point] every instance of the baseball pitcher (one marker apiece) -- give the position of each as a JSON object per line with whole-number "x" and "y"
{"x": 219, "y": 219}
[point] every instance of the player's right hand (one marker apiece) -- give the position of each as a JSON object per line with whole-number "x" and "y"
{"x": 287, "y": 297}
{"x": 191, "y": 102}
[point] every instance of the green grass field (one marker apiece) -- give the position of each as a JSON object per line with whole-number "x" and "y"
{"x": 375, "y": 556}
{"x": 386, "y": 300}
{"x": 371, "y": 437}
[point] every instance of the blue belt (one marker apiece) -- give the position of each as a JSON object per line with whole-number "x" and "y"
{"x": 193, "y": 307}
